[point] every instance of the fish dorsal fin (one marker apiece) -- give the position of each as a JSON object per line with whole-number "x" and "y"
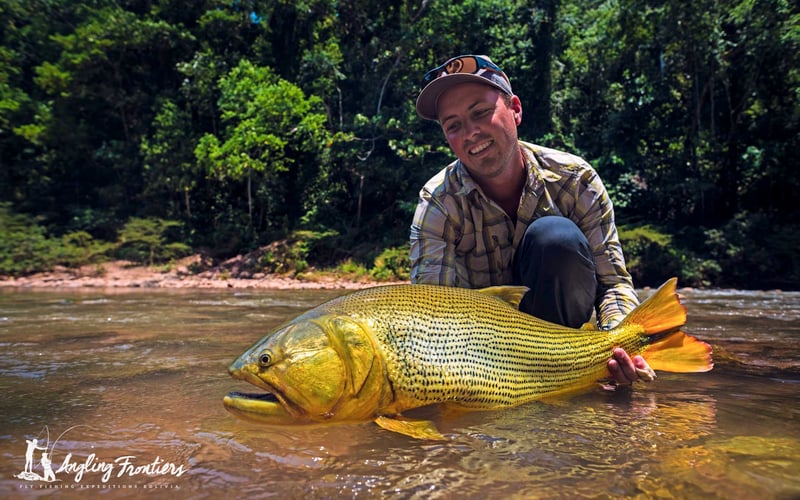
{"x": 507, "y": 293}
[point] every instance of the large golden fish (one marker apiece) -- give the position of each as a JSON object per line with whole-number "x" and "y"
{"x": 374, "y": 353}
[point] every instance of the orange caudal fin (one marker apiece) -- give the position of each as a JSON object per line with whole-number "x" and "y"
{"x": 662, "y": 315}
{"x": 679, "y": 353}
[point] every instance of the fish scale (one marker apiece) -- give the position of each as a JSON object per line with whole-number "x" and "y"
{"x": 377, "y": 352}
{"x": 474, "y": 349}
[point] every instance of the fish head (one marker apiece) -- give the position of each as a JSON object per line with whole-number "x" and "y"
{"x": 313, "y": 370}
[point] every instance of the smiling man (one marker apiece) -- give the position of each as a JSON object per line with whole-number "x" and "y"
{"x": 508, "y": 212}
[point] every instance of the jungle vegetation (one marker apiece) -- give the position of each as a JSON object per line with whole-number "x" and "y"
{"x": 148, "y": 129}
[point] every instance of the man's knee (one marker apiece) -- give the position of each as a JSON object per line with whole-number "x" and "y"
{"x": 555, "y": 262}
{"x": 553, "y": 241}
{"x": 557, "y": 232}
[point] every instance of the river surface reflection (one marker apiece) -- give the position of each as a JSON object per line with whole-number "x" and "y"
{"x": 124, "y": 388}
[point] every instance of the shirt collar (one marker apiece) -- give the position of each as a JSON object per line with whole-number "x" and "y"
{"x": 464, "y": 180}
{"x": 537, "y": 175}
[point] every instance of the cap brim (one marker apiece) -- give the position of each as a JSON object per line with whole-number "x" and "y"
{"x": 428, "y": 99}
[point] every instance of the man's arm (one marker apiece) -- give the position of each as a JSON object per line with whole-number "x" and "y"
{"x": 433, "y": 246}
{"x": 617, "y": 295}
{"x": 595, "y": 216}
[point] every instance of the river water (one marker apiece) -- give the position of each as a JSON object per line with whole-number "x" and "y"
{"x": 123, "y": 389}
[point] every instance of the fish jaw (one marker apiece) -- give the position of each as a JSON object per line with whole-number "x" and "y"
{"x": 261, "y": 408}
{"x": 266, "y": 407}
{"x": 318, "y": 369}
{"x": 273, "y": 405}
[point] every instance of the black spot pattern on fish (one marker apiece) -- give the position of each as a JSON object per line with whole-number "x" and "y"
{"x": 452, "y": 344}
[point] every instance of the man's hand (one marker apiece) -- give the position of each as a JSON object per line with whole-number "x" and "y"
{"x": 626, "y": 371}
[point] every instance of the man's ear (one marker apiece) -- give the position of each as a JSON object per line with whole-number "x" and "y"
{"x": 516, "y": 106}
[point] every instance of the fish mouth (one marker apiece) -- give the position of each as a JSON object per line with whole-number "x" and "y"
{"x": 262, "y": 407}
{"x": 266, "y": 407}
{"x": 266, "y": 397}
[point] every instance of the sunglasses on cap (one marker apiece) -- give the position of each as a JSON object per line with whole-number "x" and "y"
{"x": 462, "y": 64}
{"x": 461, "y": 69}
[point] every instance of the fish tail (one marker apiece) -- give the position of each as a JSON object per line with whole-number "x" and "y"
{"x": 662, "y": 315}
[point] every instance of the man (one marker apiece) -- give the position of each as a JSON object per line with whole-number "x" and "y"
{"x": 510, "y": 212}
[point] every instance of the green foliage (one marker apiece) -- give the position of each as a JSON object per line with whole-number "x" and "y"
{"x": 647, "y": 254}
{"x": 352, "y": 269}
{"x": 291, "y": 254}
{"x": 170, "y": 172}
{"x": 249, "y": 122}
{"x": 754, "y": 250}
{"x": 78, "y": 248}
{"x": 274, "y": 137}
{"x": 393, "y": 264}
{"x": 26, "y": 248}
{"x": 652, "y": 256}
{"x": 145, "y": 241}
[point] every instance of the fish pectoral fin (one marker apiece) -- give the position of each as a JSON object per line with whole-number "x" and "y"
{"x": 418, "y": 429}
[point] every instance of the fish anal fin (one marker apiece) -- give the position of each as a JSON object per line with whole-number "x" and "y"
{"x": 418, "y": 429}
{"x": 507, "y": 293}
{"x": 679, "y": 353}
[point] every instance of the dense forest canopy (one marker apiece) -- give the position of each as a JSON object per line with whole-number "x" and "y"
{"x": 225, "y": 125}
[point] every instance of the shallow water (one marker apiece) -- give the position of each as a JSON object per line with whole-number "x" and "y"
{"x": 125, "y": 386}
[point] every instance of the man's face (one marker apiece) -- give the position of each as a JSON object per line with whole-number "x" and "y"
{"x": 480, "y": 127}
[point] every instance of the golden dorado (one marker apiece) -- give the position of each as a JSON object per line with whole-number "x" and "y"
{"x": 374, "y": 353}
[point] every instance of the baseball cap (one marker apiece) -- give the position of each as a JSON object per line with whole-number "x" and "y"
{"x": 461, "y": 69}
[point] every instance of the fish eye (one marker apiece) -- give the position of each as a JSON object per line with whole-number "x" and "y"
{"x": 265, "y": 358}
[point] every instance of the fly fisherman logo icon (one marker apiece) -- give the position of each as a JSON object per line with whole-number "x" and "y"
{"x": 45, "y": 460}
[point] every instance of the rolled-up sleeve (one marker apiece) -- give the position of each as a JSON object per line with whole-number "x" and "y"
{"x": 616, "y": 296}
{"x": 434, "y": 239}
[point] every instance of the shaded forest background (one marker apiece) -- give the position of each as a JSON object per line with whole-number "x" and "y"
{"x": 150, "y": 129}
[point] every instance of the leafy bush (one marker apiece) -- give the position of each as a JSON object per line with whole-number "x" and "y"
{"x": 647, "y": 255}
{"x": 352, "y": 270}
{"x": 25, "y": 247}
{"x": 78, "y": 248}
{"x": 392, "y": 264}
{"x": 292, "y": 254}
{"x": 145, "y": 241}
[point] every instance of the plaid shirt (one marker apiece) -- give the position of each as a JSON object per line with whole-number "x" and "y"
{"x": 461, "y": 238}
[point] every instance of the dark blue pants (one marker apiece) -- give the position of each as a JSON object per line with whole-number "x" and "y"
{"x": 554, "y": 260}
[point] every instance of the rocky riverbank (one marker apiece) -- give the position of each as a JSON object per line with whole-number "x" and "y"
{"x": 190, "y": 272}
